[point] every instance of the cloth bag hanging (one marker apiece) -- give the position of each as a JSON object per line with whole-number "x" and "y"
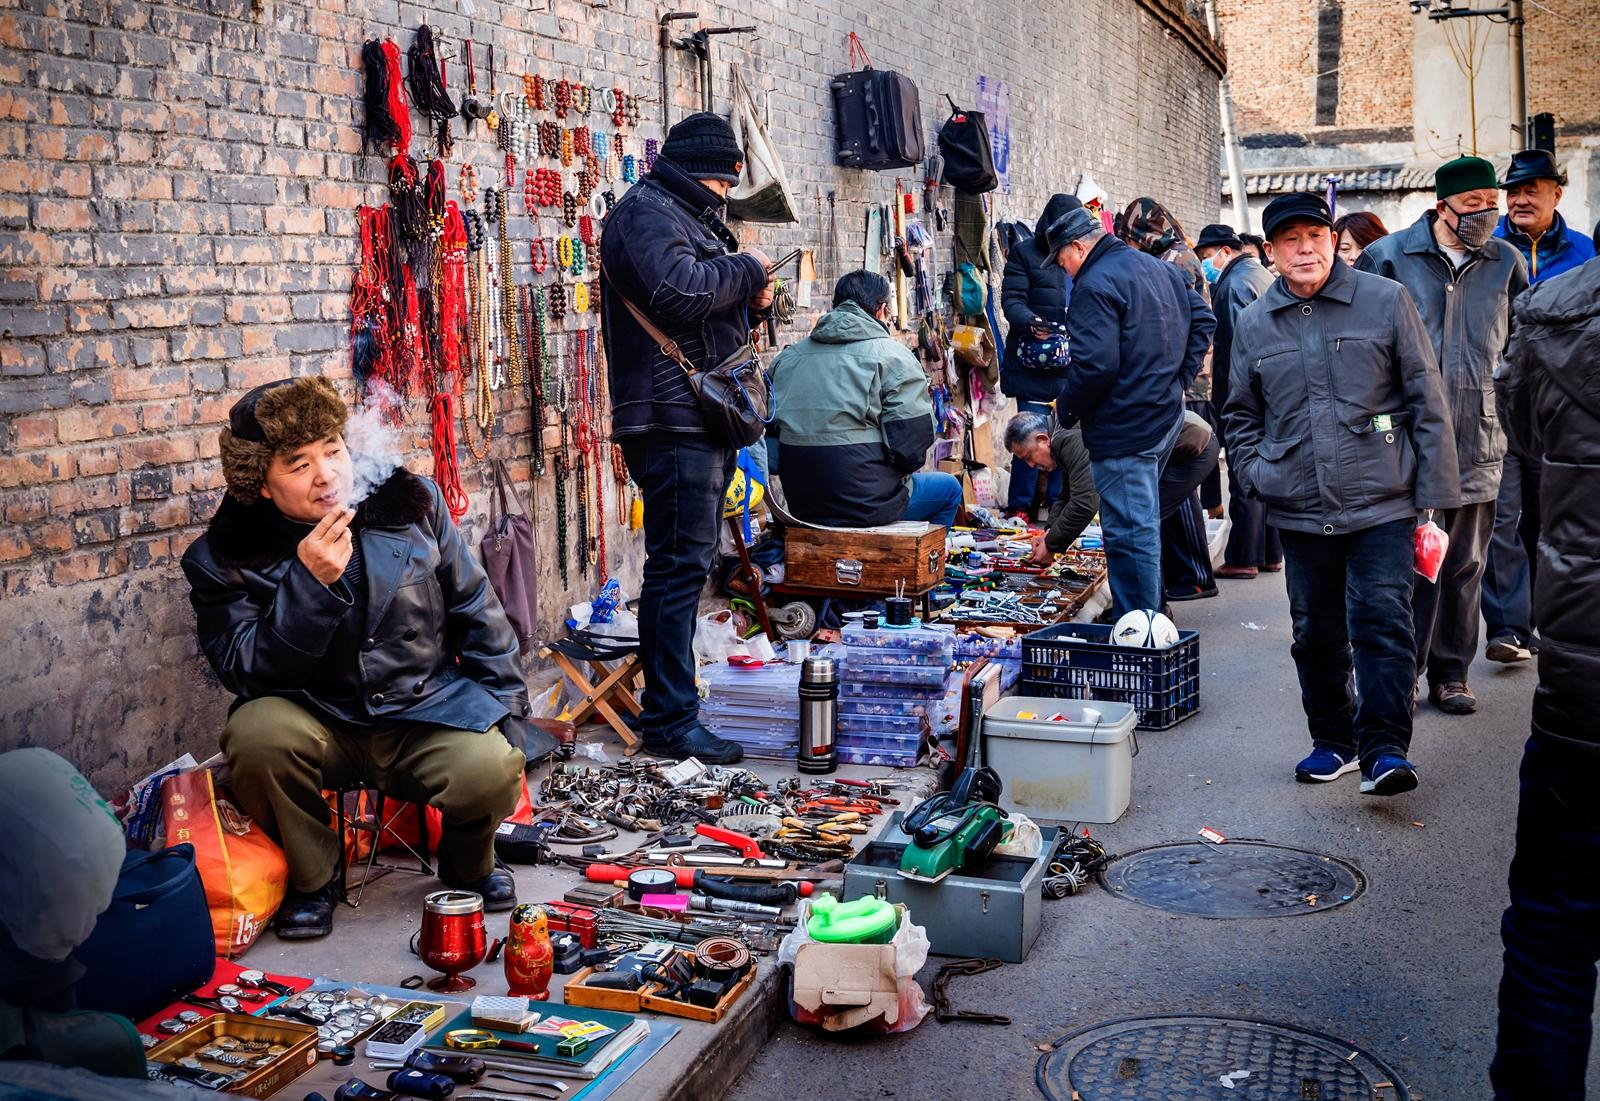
{"x": 508, "y": 558}
{"x": 762, "y": 193}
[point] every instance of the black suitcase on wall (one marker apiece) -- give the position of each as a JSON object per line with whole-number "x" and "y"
{"x": 877, "y": 120}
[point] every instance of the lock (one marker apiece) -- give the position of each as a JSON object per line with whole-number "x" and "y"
{"x": 983, "y": 898}
{"x": 935, "y": 565}
{"x": 881, "y": 889}
{"x": 847, "y": 571}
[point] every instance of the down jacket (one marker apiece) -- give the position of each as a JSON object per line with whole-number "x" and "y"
{"x": 1034, "y": 291}
{"x": 853, "y": 421}
{"x": 1550, "y": 390}
{"x": 668, "y": 252}
{"x": 1336, "y": 417}
{"x": 427, "y": 642}
{"x": 1139, "y": 335}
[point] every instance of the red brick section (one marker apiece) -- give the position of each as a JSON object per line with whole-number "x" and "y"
{"x": 1272, "y": 64}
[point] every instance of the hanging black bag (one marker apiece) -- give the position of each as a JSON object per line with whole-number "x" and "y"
{"x": 877, "y": 116}
{"x": 968, "y": 158}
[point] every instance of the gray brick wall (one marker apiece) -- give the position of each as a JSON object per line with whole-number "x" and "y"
{"x": 178, "y": 184}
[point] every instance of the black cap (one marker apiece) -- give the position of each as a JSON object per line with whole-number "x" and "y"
{"x": 703, "y": 145}
{"x": 1216, "y": 236}
{"x": 242, "y": 416}
{"x": 1297, "y": 206}
{"x": 1067, "y": 229}
{"x": 1533, "y": 164}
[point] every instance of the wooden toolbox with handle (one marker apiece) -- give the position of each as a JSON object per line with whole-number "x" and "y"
{"x": 871, "y": 561}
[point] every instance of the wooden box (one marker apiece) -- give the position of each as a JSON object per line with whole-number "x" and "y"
{"x": 866, "y": 560}
{"x": 654, "y": 1002}
{"x": 599, "y": 997}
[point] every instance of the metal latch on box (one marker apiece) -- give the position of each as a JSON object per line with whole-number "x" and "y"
{"x": 933, "y": 560}
{"x": 847, "y": 571}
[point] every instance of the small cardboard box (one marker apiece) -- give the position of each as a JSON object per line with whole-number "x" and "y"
{"x": 848, "y": 985}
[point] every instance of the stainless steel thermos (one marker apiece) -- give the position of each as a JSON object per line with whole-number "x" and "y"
{"x": 819, "y": 714}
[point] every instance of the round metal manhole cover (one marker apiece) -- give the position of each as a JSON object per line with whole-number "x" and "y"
{"x": 1238, "y": 879}
{"x": 1190, "y": 1057}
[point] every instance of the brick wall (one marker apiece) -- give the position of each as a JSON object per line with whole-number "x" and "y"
{"x": 1273, "y": 65}
{"x": 178, "y": 184}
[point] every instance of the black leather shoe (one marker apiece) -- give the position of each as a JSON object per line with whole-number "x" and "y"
{"x": 305, "y": 915}
{"x": 498, "y": 888}
{"x": 1192, "y": 592}
{"x": 697, "y": 742}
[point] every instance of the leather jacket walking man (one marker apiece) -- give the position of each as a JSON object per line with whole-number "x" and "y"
{"x": 364, "y": 644}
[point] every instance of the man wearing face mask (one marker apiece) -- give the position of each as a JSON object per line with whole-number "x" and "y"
{"x": 1462, "y": 279}
{"x": 853, "y": 419}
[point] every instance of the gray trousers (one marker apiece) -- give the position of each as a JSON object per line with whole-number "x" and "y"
{"x": 1445, "y": 612}
{"x": 1513, "y": 551}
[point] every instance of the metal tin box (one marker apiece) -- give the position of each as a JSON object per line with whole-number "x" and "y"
{"x": 991, "y": 911}
{"x": 298, "y": 1040}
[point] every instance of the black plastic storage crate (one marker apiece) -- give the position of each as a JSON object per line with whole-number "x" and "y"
{"x": 1079, "y": 661}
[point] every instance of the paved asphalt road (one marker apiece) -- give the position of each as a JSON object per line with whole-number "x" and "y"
{"x": 1409, "y": 971}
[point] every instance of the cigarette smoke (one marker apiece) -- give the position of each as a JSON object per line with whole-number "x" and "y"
{"x": 373, "y": 441}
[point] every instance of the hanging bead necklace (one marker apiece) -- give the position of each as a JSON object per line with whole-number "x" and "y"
{"x": 518, "y": 368}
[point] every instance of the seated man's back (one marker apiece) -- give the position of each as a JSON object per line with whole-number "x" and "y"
{"x": 854, "y": 420}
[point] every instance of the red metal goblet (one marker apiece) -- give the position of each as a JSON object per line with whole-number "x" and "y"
{"x": 452, "y": 939}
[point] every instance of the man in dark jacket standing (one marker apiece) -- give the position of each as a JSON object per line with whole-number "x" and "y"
{"x": 1549, "y": 247}
{"x": 1337, "y": 421}
{"x": 1033, "y": 296}
{"x": 1550, "y": 394}
{"x": 1138, "y": 334}
{"x": 1462, "y": 279}
{"x": 853, "y": 419}
{"x": 1239, "y": 280}
{"x": 364, "y": 645}
{"x": 667, "y": 252}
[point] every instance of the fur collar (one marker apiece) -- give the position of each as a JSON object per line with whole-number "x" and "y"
{"x": 253, "y": 536}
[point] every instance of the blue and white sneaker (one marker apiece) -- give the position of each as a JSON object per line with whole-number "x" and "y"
{"x": 1324, "y": 765}
{"x": 1390, "y": 774}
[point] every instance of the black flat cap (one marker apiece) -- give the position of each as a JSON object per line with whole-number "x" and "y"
{"x": 1297, "y": 206}
{"x": 1067, "y": 229}
{"x": 1533, "y": 164}
{"x": 1216, "y": 236}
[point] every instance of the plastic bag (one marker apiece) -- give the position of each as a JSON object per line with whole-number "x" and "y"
{"x": 1025, "y": 840}
{"x": 62, "y": 853}
{"x": 910, "y": 953}
{"x": 1429, "y": 549}
{"x": 715, "y": 637}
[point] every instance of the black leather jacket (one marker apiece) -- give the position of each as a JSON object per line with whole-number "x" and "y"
{"x": 426, "y": 642}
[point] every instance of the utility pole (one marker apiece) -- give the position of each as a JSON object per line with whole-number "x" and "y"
{"x": 1511, "y": 15}
{"x": 1230, "y": 141}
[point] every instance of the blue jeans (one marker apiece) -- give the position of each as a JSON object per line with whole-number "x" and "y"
{"x": 1354, "y": 643}
{"x": 935, "y": 497}
{"x": 682, "y": 479}
{"x": 1551, "y": 930}
{"x": 1130, "y": 515}
{"x": 1513, "y": 551}
{"x": 1023, "y": 477}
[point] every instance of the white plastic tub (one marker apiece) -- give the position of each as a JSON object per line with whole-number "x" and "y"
{"x": 1072, "y": 769}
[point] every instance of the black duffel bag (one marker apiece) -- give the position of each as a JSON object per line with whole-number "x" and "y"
{"x": 968, "y": 157}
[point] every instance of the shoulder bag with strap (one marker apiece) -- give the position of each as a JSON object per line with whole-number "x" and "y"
{"x": 735, "y": 395}
{"x": 508, "y": 558}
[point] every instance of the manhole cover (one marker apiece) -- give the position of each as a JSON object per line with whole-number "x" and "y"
{"x": 1189, "y": 1057}
{"x": 1239, "y": 879}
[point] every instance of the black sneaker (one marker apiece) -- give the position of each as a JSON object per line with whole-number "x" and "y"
{"x": 697, "y": 742}
{"x": 1508, "y": 649}
{"x": 1192, "y": 592}
{"x": 306, "y": 915}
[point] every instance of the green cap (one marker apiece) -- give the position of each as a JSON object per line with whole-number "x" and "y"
{"x": 1464, "y": 174}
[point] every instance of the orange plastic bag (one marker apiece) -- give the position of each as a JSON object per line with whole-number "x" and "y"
{"x": 403, "y": 829}
{"x": 1428, "y": 550}
{"x": 244, "y": 871}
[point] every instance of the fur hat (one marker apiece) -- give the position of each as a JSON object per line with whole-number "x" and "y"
{"x": 273, "y": 418}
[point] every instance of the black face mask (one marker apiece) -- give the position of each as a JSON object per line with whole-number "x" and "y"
{"x": 1475, "y": 227}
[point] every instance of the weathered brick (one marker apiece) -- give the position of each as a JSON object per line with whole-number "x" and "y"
{"x": 88, "y": 566}
{"x": 151, "y": 485}
{"x": 94, "y": 527}
{"x": 14, "y": 544}
{"x": 78, "y": 425}
{"x": 37, "y": 467}
{"x": 28, "y": 433}
{"x": 24, "y": 506}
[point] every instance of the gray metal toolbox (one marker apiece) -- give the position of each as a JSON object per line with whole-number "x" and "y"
{"x": 991, "y": 912}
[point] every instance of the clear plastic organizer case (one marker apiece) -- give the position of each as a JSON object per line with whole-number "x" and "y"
{"x": 923, "y": 644}
{"x": 904, "y": 726}
{"x": 894, "y": 754}
{"x": 888, "y": 705}
{"x": 911, "y": 676}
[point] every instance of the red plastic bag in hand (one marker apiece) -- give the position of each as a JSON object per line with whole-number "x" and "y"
{"x": 1428, "y": 550}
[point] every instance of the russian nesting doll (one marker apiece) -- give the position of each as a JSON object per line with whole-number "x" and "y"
{"x": 529, "y": 961}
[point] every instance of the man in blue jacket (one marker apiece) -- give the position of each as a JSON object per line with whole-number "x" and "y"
{"x": 667, "y": 252}
{"x": 1139, "y": 334}
{"x": 1549, "y": 247}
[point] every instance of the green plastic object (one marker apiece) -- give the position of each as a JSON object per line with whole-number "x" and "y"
{"x": 974, "y": 840}
{"x": 862, "y": 921}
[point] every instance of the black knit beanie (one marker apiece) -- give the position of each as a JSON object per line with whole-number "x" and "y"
{"x": 703, "y": 146}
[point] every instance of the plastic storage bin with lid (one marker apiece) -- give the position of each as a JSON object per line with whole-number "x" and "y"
{"x": 756, "y": 706}
{"x": 1061, "y": 760}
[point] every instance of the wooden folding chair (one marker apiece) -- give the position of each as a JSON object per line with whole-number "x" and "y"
{"x": 605, "y": 688}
